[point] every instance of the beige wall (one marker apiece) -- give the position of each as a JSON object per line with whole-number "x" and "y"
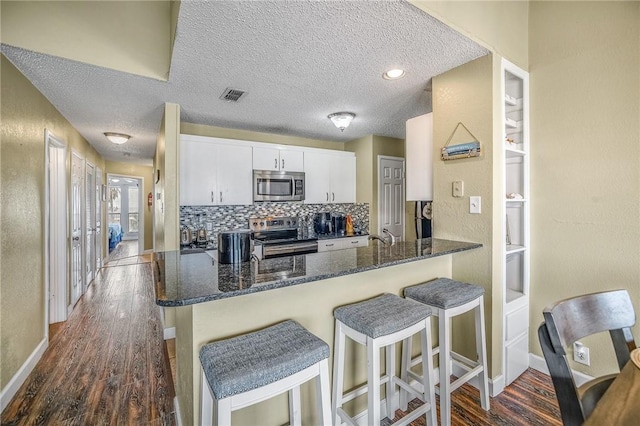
{"x": 26, "y": 114}
{"x": 465, "y": 94}
{"x": 501, "y": 26}
{"x": 223, "y": 132}
{"x": 131, "y": 36}
{"x": 585, "y": 165}
{"x": 145, "y": 172}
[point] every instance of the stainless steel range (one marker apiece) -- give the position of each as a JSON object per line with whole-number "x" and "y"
{"x": 278, "y": 236}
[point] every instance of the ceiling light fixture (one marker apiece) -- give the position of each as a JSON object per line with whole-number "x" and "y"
{"x": 117, "y": 138}
{"x": 393, "y": 74}
{"x": 342, "y": 119}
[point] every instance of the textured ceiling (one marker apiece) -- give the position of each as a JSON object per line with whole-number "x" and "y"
{"x": 297, "y": 61}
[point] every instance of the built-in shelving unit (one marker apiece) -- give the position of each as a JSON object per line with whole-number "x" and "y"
{"x": 516, "y": 240}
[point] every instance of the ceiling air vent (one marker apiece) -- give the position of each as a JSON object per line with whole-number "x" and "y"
{"x": 232, "y": 95}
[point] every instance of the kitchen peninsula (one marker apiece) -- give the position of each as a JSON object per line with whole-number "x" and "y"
{"x": 216, "y": 301}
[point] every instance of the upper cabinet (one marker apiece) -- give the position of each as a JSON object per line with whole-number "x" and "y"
{"x": 330, "y": 177}
{"x": 419, "y": 158}
{"x": 214, "y": 173}
{"x": 267, "y": 158}
{"x": 515, "y": 240}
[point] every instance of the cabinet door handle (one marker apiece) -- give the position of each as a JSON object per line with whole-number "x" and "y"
{"x": 333, "y": 196}
{"x": 220, "y": 196}
{"x": 327, "y": 196}
{"x": 328, "y": 245}
{"x": 283, "y": 164}
{"x": 212, "y": 200}
{"x": 275, "y": 163}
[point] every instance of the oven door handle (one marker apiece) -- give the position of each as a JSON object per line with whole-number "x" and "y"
{"x": 289, "y": 248}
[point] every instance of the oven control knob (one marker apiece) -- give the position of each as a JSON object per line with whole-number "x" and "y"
{"x": 255, "y": 223}
{"x": 261, "y": 223}
{"x": 288, "y": 222}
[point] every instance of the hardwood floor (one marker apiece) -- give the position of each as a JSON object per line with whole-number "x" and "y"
{"x": 108, "y": 364}
{"x": 530, "y": 400}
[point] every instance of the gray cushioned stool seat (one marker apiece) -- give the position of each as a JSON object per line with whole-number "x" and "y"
{"x": 382, "y": 315}
{"x": 444, "y": 293}
{"x": 253, "y": 360}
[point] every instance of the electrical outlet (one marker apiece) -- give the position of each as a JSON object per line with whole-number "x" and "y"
{"x": 581, "y": 353}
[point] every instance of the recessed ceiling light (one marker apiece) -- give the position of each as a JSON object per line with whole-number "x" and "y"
{"x": 393, "y": 74}
{"x": 115, "y": 180}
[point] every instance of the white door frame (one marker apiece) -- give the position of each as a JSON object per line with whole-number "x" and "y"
{"x": 81, "y": 161}
{"x": 141, "y": 207}
{"x": 56, "y": 272}
{"x": 380, "y": 187}
{"x": 88, "y": 247}
{"x": 99, "y": 208}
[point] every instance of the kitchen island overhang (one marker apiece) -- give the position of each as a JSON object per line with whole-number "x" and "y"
{"x": 187, "y": 279}
{"x": 212, "y": 308}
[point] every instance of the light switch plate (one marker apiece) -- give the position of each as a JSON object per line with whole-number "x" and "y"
{"x": 457, "y": 188}
{"x": 475, "y": 204}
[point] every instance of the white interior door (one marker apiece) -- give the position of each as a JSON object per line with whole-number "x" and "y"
{"x": 98, "y": 220}
{"x": 77, "y": 176}
{"x": 56, "y": 216}
{"x": 391, "y": 196}
{"x": 90, "y": 227}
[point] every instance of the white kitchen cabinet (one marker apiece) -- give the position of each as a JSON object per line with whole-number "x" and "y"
{"x": 342, "y": 243}
{"x": 330, "y": 177}
{"x": 419, "y": 158}
{"x": 516, "y": 231}
{"x": 214, "y": 173}
{"x": 271, "y": 158}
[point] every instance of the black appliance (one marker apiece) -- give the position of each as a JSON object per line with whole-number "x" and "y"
{"x": 278, "y": 236}
{"x": 423, "y": 219}
{"x": 234, "y": 246}
{"x": 322, "y": 223}
{"x": 339, "y": 223}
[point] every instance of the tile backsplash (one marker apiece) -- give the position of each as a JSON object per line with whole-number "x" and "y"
{"x": 225, "y": 218}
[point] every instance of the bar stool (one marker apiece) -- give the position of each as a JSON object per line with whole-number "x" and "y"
{"x": 449, "y": 298}
{"x": 376, "y": 323}
{"x": 250, "y": 368}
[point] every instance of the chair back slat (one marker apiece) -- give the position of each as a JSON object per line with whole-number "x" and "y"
{"x": 589, "y": 314}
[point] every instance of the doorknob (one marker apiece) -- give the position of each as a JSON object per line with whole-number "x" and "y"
{"x": 76, "y": 238}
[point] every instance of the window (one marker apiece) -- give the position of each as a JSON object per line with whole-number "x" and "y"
{"x": 133, "y": 209}
{"x": 114, "y": 208}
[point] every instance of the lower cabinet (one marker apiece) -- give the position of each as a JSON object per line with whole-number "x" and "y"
{"x": 516, "y": 332}
{"x": 342, "y": 243}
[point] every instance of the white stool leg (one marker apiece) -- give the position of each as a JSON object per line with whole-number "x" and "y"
{"x": 391, "y": 386}
{"x": 206, "y": 401}
{"x": 373, "y": 381}
{"x": 427, "y": 373}
{"x": 323, "y": 397}
{"x": 222, "y": 412}
{"x": 404, "y": 372}
{"x": 295, "y": 416}
{"x": 445, "y": 366}
{"x": 338, "y": 373}
{"x": 481, "y": 348}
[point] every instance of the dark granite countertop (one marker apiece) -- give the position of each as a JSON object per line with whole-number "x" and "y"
{"x": 188, "y": 279}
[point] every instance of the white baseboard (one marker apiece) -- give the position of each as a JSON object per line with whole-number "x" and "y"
{"x": 169, "y": 333}
{"x": 538, "y": 363}
{"x": 176, "y": 407}
{"x": 21, "y": 375}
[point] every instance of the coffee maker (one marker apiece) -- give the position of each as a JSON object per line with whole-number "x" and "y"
{"x": 322, "y": 223}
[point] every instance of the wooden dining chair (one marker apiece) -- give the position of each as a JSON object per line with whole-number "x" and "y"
{"x": 572, "y": 319}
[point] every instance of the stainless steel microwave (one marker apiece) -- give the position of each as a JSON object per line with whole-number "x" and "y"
{"x": 270, "y": 185}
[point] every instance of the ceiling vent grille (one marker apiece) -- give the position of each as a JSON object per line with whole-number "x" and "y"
{"x": 232, "y": 95}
